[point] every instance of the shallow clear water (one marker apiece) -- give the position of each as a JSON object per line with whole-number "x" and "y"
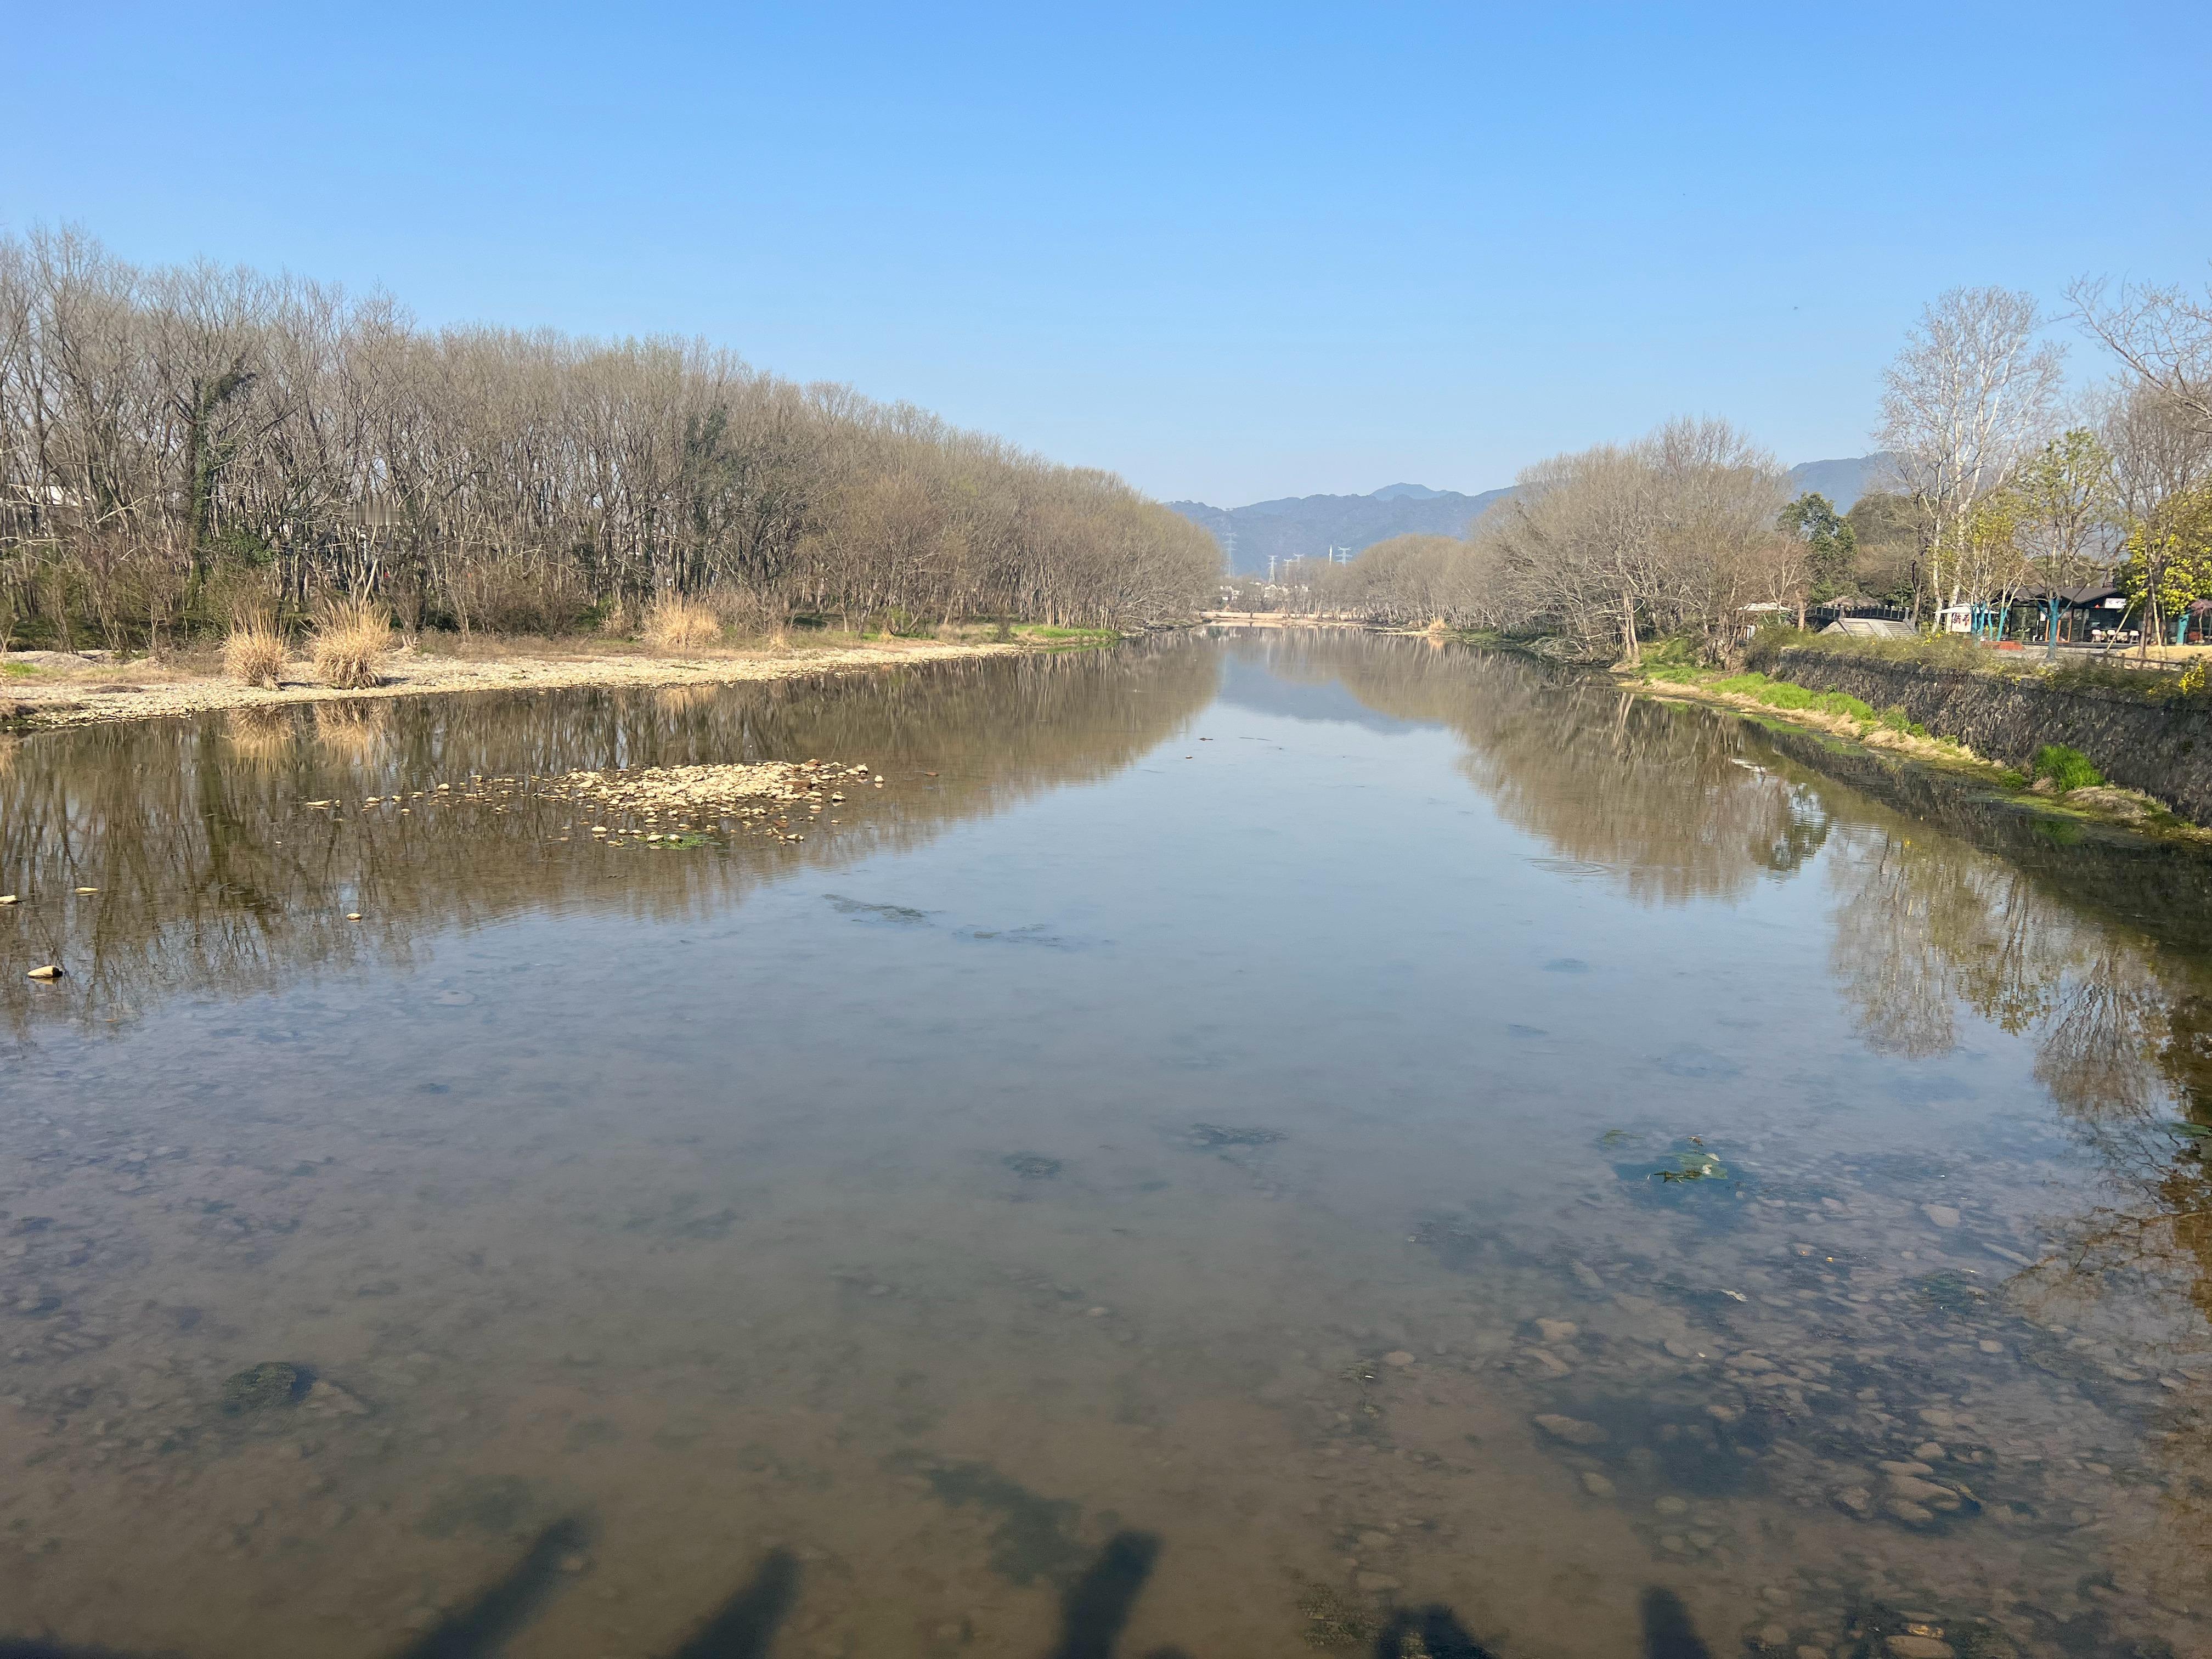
{"x": 1236, "y": 1144}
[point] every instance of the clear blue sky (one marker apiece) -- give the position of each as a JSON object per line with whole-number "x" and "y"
{"x": 1229, "y": 252}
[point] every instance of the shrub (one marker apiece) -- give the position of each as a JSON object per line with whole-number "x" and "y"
{"x": 1897, "y": 719}
{"x": 2068, "y": 769}
{"x": 352, "y": 640}
{"x": 1671, "y": 651}
{"x": 254, "y": 654}
{"x": 674, "y": 623}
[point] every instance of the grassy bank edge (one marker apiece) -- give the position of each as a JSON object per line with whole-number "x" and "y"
{"x": 1836, "y": 716}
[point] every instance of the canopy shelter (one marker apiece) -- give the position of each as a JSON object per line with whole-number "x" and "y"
{"x": 2085, "y": 615}
{"x": 1872, "y": 628}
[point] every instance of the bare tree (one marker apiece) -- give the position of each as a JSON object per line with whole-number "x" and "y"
{"x": 1602, "y": 549}
{"x": 2065, "y": 515}
{"x": 1971, "y": 392}
{"x": 2162, "y": 334}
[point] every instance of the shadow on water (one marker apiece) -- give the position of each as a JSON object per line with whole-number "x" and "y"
{"x": 484, "y": 1624}
{"x": 747, "y": 1622}
{"x": 1094, "y": 1613}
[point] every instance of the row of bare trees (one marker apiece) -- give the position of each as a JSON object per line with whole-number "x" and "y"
{"x": 177, "y": 443}
{"x": 2013, "y": 490}
{"x": 1604, "y": 549}
{"x": 2002, "y": 487}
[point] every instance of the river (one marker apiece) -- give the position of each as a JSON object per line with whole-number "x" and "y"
{"x": 1239, "y": 1146}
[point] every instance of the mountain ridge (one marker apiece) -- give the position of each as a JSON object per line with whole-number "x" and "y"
{"x": 1310, "y": 526}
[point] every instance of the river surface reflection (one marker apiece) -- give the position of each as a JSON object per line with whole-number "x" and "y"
{"x": 1239, "y": 1147}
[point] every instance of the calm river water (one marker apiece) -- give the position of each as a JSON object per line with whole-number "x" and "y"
{"x": 1239, "y": 1147}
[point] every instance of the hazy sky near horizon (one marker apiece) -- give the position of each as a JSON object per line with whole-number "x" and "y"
{"x": 1229, "y": 251}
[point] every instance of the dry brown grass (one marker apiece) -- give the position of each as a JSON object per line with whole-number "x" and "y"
{"x": 352, "y": 640}
{"x": 673, "y": 623}
{"x": 254, "y": 654}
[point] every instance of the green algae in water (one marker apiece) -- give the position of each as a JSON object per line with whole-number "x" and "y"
{"x": 272, "y": 1383}
{"x": 1688, "y": 1175}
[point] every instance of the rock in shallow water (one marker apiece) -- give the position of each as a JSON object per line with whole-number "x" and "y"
{"x": 1571, "y": 1430}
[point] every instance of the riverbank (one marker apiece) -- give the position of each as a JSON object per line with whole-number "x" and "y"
{"x": 1902, "y": 739}
{"x": 2147, "y": 732}
{"x": 42, "y": 690}
{"x": 1277, "y": 619}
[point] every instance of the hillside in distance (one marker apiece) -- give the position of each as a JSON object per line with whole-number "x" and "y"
{"x": 1307, "y": 527}
{"x": 1844, "y": 482}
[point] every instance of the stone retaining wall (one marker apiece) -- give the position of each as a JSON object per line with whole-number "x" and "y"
{"x": 2163, "y": 750}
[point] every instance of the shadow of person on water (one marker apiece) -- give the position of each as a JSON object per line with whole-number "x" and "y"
{"x": 1094, "y": 1613}
{"x": 1434, "y": 1632}
{"x": 1096, "y": 1609}
{"x": 742, "y": 1627}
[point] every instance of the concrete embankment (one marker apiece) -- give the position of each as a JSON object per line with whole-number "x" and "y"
{"x": 2163, "y": 749}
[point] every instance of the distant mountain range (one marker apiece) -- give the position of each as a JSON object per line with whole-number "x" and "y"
{"x": 1307, "y": 527}
{"x": 1844, "y": 482}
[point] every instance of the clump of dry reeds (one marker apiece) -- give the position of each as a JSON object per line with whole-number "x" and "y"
{"x": 254, "y": 654}
{"x": 675, "y": 623}
{"x": 352, "y": 639}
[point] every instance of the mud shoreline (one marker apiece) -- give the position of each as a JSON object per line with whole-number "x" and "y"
{"x": 100, "y": 692}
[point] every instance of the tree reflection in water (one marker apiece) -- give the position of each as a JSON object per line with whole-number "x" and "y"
{"x": 1671, "y": 808}
{"x": 209, "y": 875}
{"x": 2091, "y": 946}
